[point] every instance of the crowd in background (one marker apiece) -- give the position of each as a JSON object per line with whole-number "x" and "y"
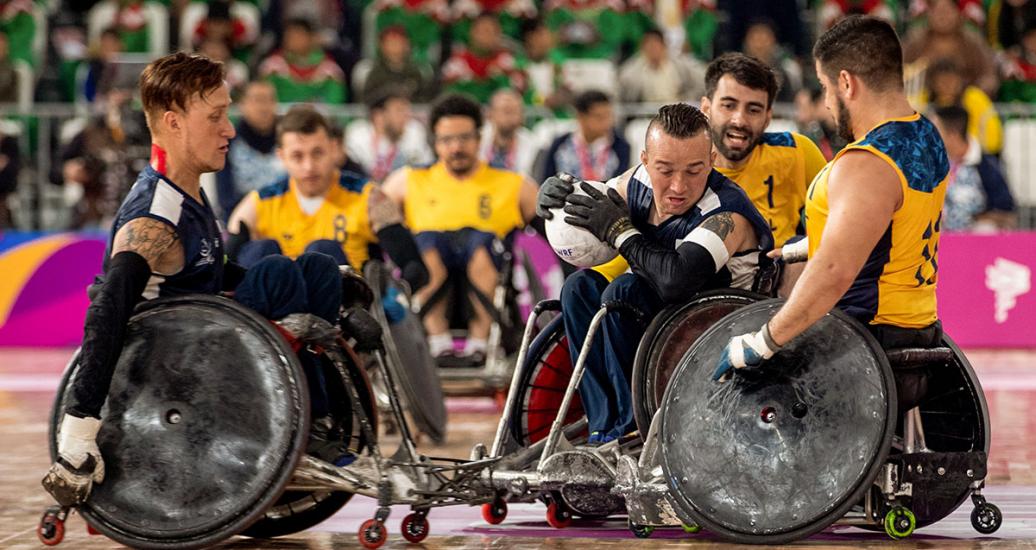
{"x": 575, "y": 59}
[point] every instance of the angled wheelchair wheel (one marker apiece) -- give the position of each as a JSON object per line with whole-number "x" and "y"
{"x": 542, "y": 387}
{"x": 406, "y": 351}
{"x": 297, "y": 511}
{"x": 670, "y": 334}
{"x": 204, "y": 424}
{"x": 780, "y": 453}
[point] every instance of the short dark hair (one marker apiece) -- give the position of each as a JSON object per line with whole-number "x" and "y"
{"x": 301, "y": 23}
{"x": 954, "y": 119}
{"x": 379, "y": 100}
{"x": 302, "y": 119}
{"x": 170, "y": 82}
{"x": 455, "y": 105}
{"x": 746, "y": 71}
{"x": 652, "y": 31}
{"x": 586, "y": 100}
{"x": 867, "y": 47}
{"x": 679, "y": 120}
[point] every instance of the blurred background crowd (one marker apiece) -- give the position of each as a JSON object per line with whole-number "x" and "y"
{"x": 567, "y": 85}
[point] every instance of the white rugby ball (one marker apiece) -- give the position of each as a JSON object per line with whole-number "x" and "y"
{"x": 576, "y": 245}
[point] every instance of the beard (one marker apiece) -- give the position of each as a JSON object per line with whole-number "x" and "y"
{"x": 844, "y": 122}
{"x": 735, "y": 155}
{"x": 460, "y": 163}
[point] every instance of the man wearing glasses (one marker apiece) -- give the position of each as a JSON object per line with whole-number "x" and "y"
{"x": 460, "y": 210}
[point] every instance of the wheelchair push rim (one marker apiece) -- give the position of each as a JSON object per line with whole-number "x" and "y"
{"x": 204, "y": 424}
{"x": 767, "y": 457}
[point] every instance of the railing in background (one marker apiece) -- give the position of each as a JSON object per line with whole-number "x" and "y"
{"x": 41, "y": 130}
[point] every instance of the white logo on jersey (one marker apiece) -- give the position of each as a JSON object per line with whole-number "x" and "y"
{"x": 1008, "y": 280}
{"x": 205, "y": 254}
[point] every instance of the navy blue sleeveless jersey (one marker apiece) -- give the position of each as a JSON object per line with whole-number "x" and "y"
{"x": 154, "y": 196}
{"x": 721, "y": 195}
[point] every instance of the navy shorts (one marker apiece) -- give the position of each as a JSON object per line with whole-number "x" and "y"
{"x": 457, "y": 247}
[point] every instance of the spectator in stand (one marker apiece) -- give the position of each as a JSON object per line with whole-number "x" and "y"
{"x": 343, "y": 162}
{"x": 394, "y": 67}
{"x": 785, "y": 15}
{"x": 656, "y": 76}
{"x": 512, "y": 15}
{"x": 252, "y": 160}
{"x": 946, "y": 36}
{"x": 688, "y": 25}
{"x": 541, "y": 61}
{"x": 18, "y": 23}
{"x": 830, "y": 12}
{"x": 98, "y": 165}
{"x": 1020, "y": 69}
{"x": 131, "y": 24}
{"x": 8, "y": 76}
{"x": 10, "y": 166}
{"x": 588, "y": 29}
{"x": 973, "y": 11}
{"x": 485, "y": 66}
{"x": 217, "y": 49}
{"x": 945, "y": 86}
{"x": 423, "y": 20}
{"x": 100, "y": 71}
{"x": 978, "y": 197}
{"x": 506, "y": 144}
{"x": 815, "y": 121}
{"x": 594, "y": 151}
{"x": 1015, "y": 18}
{"x": 389, "y": 139}
{"x": 239, "y": 35}
{"x": 301, "y": 70}
{"x": 761, "y": 43}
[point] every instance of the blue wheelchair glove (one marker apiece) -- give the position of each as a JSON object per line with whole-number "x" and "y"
{"x": 746, "y": 350}
{"x": 395, "y": 311}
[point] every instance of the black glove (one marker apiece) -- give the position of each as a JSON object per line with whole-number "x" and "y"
{"x": 553, "y": 193}
{"x": 362, "y": 327}
{"x": 355, "y": 290}
{"x": 605, "y": 216}
{"x": 235, "y": 241}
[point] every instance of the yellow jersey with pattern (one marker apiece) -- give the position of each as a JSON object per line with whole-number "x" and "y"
{"x": 775, "y": 178}
{"x": 487, "y": 201}
{"x": 342, "y": 217}
{"x": 897, "y": 283}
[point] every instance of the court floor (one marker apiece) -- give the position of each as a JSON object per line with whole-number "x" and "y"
{"x": 28, "y": 378}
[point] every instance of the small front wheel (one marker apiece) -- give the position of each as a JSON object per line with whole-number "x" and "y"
{"x": 372, "y": 534}
{"x": 641, "y": 531}
{"x": 900, "y": 522}
{"x": 51, "y": 530}
{"x": 415, "y": 527}
{"x": 558, "y": 515}
{"x": 494, "y": 512}
{"x": 986, "y": 518}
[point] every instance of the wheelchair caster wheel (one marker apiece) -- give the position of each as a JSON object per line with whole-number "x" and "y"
{"x": 494, "y": 512}
{"x": 51, "y": 529}
{"x": 641, "y": 531}
{"x": 691, "y": 529}
{"x": 415, "y": 527}
{"x": 372, "y": 534}
{"x": 900, "y": 522}
{"x": 986, "y": 518}
{"x": 558, "y": 516}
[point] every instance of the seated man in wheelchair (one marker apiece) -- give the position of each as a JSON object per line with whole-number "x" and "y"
{"x": 318, "y": 208}
{"x": 460, "y": 210}
{"x": 872, "y": 215}
{"x": 165, "y": 241}
{"x": 682, "y": 226}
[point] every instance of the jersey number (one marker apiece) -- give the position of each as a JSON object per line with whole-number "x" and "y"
{"x": 769, "y": 191}
{"x": 340, "y": 233}
{"x": 484, "y": 207}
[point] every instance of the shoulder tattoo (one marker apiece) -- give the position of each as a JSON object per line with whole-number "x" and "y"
{"x": 721, "y": 224}
{"x": 147, "y": 237}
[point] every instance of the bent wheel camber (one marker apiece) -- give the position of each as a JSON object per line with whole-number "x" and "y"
{"x": 779, "y": 453}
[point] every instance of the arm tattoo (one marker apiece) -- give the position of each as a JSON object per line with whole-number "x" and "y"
{"x": 147, "y": 237}
{"x": 382, "y": 211}
{"x": 721, "y": 224}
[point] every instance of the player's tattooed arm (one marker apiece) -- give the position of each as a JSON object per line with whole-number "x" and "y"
{"x": 721, "y": 224}
{"x": 382, "y": 211}
{"x": 156, "y": 241}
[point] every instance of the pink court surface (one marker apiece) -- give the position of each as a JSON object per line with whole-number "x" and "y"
{"x": 28, "y": 378}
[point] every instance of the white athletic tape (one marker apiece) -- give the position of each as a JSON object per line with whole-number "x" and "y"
{"x": 711, "y": 242}
{"x": 797, "y": 251}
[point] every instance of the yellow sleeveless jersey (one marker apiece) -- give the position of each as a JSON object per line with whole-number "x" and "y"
{"x": 897, "y": 283}
{"x": 487, "y": 201}
{"x": 342, "y": 217}
{"x": 775, "y": 178}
